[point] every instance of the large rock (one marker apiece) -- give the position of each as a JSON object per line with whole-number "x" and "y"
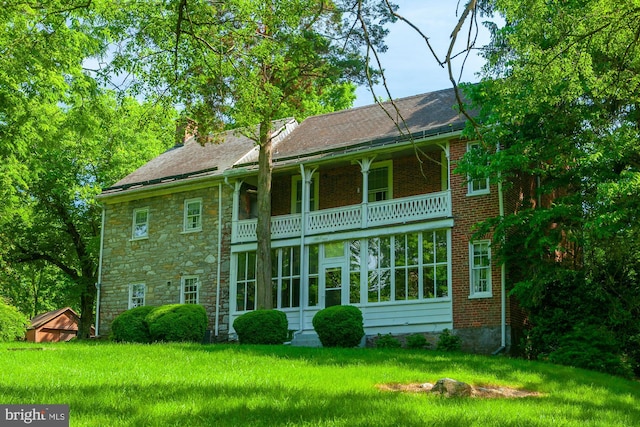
{"x": 452, "y": 388}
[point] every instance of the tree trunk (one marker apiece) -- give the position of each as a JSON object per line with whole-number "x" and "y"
{"x": 87, "y": 298}
{"x": 264, "y": 299}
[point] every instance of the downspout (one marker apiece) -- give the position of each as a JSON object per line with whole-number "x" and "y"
{"x": 99, "y": 284}
{"x": 217, "y": 323}
{"x": 503, "y": 279}
{"x": 303, "y": 267}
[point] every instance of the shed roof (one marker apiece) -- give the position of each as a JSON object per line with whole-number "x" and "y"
{"x": 44, "y": 318}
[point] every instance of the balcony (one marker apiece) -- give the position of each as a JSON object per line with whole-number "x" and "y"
{"x": 375, "y": 214}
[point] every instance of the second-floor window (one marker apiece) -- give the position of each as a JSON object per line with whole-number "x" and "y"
{"x": 140, "y": 223}
{"x": 476, "y": 185}
{"x": 192, "y": 215}
{"x": 380, "y": 180}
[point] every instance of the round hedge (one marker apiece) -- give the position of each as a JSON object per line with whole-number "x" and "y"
{"x": 131, "y": 325}
{"x": 177, "y": 322}
{"x": 13, "y": 324}
{"x": 262, "y": 327}
{"x": 339, "y": 326}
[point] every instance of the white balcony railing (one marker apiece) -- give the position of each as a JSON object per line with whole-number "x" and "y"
{"x": 388, "y": 212}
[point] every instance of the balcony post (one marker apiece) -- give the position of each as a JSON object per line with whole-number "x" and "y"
{"x": 236, "y": 209}
{"x": 365, "y": 165}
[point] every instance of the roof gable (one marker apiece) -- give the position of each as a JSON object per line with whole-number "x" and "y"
{"x": 47, "y": 317}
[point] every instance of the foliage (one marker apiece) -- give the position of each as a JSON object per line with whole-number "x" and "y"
{"x": 62, "y": 138}
{"x": 248, "y": 63}
{"x": 177, "y": 323}
{"x": 448, "y": 341}
{"x": 13, "y": 324}
{"x": 387, "y": 341}
{"x": 339, "y": 326}
{"x": 417, "y": 342}
{"x": 131, "y": 325}
{"x": 561, "y": 101}
{"x": 228, "y": 385}
{"x": 590, "y": 347}
{"x": 262, "y": 327}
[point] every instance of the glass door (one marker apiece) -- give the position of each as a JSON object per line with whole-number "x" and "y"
{"x": 332, "y": 285}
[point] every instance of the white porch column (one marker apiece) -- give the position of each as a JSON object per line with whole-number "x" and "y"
{"x": 236, "y": 209}
{"x": 365, "y": 165}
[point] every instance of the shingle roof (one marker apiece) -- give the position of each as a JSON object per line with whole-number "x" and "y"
{"x": 43, "y": 318}
{"x": 427, "y": 114}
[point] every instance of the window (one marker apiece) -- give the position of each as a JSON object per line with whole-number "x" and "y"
{"x": 192, "y": 215}
{"x": 480, "y": 268}
{"x": 286, "y": 277}
{"x": 379, "y": 182}
{"x": 296, "y": 193}
{"x": 136, "y": 295}
{"x": 313, "y": 281}
{"x": 246, "y": 281}
{"x": 476, "y": 186}
{"x": 403, "y": 267}
{"x": 190, "y": 290}
{"x": 140, "y": 223}
{"x": 379, "y": 268}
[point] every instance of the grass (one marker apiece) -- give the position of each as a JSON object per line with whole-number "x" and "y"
{"x": 109, "y": 384}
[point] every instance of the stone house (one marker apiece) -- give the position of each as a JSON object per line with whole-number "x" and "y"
{"x": 366, "y": 210}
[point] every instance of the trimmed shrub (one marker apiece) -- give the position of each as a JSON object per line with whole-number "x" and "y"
{"x": 339, "y": 326}
{"x": 177, "y": 322}
{"x": 262, "y": 327}
{"x": 13, "y": 324}
{"x": 387, "y": 341}
{"x": 448, "y": 342}
{"x": 417, "y": 342}
{"x": 131, "y": 325}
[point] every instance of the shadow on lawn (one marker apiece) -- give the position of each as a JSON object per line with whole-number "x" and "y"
{"x": 168, "y": 404}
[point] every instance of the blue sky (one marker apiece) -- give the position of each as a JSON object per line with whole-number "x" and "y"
{"x": 410, "y": 68}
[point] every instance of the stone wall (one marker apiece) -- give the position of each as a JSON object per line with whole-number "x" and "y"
{"x": 168, "y": 254}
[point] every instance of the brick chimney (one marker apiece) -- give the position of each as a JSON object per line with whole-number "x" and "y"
{"x": 186, "y": 128}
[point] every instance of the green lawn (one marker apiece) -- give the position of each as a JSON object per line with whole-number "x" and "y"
{"x": 215, "y": 385}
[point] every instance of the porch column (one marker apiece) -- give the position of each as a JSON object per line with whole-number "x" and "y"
{"x": 365, "y": 165}
{"x": 235, "y": 210}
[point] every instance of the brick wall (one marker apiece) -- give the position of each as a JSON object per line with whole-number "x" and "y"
{"x": 467, "y": 211}
{"x": 160, "y": 260}
{"x": 342, "y": 186}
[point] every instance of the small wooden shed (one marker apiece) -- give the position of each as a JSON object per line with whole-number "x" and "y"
{"x": 53, "y": 326}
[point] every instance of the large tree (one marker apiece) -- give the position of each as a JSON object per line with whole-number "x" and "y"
{"x": 562, "y": 103}
{"x": 243, "y": 62}
{"x": 86, "y": 146}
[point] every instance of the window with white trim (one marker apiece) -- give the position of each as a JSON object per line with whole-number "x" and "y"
{"x": 246, "y": 281}
{"x": 192, "y": 215}
{"x": 406, "y": 267}
{"x": 296, "y": 194}
{"x": 190, "y": 290}
{"x": 285, "y": 274}
{"x": 480, "y": 268}
{"x": 140, "y": 229}
{"x": 137, "y": 293}
{"x": 476, "y": 186}
{"x": 379, "y": 179}
{"x": 286, "y": 277}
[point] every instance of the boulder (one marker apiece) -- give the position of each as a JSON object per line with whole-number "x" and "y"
{"x": 452, "y": 388}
